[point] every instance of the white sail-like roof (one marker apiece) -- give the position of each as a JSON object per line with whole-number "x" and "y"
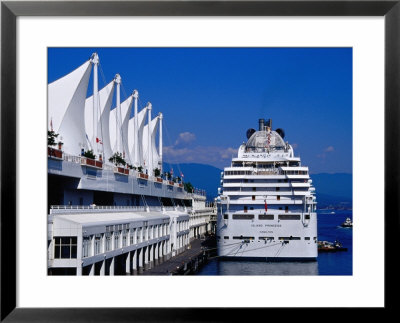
{"x": 126, "y": 109}
{"x": 155, "y": 154}
{"x": 131, "y": 135}
{"x": 66, "y": 108}
{"x": 105, "y": 96}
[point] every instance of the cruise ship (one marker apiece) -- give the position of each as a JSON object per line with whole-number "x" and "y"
{"x": 266, "y": 202}
{"x": 112, "y": 209}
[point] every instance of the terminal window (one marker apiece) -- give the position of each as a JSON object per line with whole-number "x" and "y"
{"x": 65, "y": 247}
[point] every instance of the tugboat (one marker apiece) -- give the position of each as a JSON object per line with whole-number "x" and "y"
{"x": 347, "y": 223}
{"x": 326, "y": 246}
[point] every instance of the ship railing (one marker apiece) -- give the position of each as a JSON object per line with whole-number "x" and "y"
{"x": 268, "y": 172}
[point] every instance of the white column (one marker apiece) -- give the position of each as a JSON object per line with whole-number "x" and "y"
{"x": 95, "y": 61}
{"x": 103, "y": 268}
{"x": 134, "y": 259}
{"x": 92, "y": 239}
{"x": 156, "y": 251}
{"x": 160, "y": 147}
{"x": 128, "y": 263}
{"x": 149, "y": 148}
{"x": 79, "y": 254}
{"x": 140, "y": 256}
{"x": 136, "y": 138}
{"x": 112, "y": 267}
{"x": 151, "y": 251}
{"x": 117, "y": 80}
{"x": 91, "y": 272}
{"x": 146, "y": 256}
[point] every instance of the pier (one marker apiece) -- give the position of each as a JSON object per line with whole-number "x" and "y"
{"x": 186, "y": 263}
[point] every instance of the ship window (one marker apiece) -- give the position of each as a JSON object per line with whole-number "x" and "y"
{"x": 253, "y": 197}
{"x": 266, "y": 238}
{"x": 278, "y": 197}
{"x": 307, "y": 217}
{"x": 265, "y": 216}
{"x": 246, "y": 180}
{"x": 225, "y": 216}
{"x": 289, "y": 238}
{"x": 306, "y": 238}
{"x": 243, "y": 216}
{"x": 286, "y": 209}
{"x": 242, "y": 238}
{"x": 245, "y": 208}
{"x": 65, "y": 247}
{"x": 280, "y": 208}
{"x": 254, "y": 189}
{"x": 289, "y": 216}
{"x": 226, "y": 238}
{"x": 277, "y": 188}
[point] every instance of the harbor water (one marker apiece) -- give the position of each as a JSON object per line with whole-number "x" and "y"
{"x": 329, "y": 263}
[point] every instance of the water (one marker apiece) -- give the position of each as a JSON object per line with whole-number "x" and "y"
{"x": 335, "y": 263}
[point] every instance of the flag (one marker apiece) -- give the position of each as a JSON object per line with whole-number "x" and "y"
{"x": 51, "y": 124}
{"x": 172, "y": 171}
{"x": 181, "y": 174}
{"x": 265, "y": 205}
{"x": 98, "y": 141}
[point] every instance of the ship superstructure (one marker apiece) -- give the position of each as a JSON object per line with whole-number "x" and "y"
{"x": 112, "y": 210}
{"x": 266, "y": 203}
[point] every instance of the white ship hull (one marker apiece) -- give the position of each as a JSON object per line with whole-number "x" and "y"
{"x": 267, "y": 239}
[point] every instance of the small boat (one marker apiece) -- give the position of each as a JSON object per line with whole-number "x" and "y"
{"x": 326, "y": 246}
{"x": 333, "y": 212}
{"x": 347, "y": 223}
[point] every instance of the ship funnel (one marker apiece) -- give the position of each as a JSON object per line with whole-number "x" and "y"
{"x": 261, "y": 124}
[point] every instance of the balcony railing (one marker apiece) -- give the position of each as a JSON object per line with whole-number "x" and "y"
{"x": 142, "y": 176}
{"x": 111, "y": 208}
{"x": 91, "y": 163}
{"x": 121, "y": 170}
{"x": 158, "y": 179}
{"x": 54, "y": 153}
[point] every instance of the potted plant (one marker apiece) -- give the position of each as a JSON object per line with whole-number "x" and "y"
{"x": 117, "y": 159}
{"x": 51, "y": 138}
{"x": 89, "y": 154}
{"x": 119, "y": 162}
{"x": 157, "y": 172}
{"x": 51, "y": 141}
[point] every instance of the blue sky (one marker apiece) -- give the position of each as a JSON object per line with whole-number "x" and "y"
{"x": 210, "y": 96}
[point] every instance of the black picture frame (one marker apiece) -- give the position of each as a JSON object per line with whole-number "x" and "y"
{"x": 10, "y": 10}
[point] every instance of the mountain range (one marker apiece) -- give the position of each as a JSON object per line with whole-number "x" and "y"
{"x": 332, "y": 190}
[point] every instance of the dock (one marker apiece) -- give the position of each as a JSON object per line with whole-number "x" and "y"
{"x": 186, "y": 263}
